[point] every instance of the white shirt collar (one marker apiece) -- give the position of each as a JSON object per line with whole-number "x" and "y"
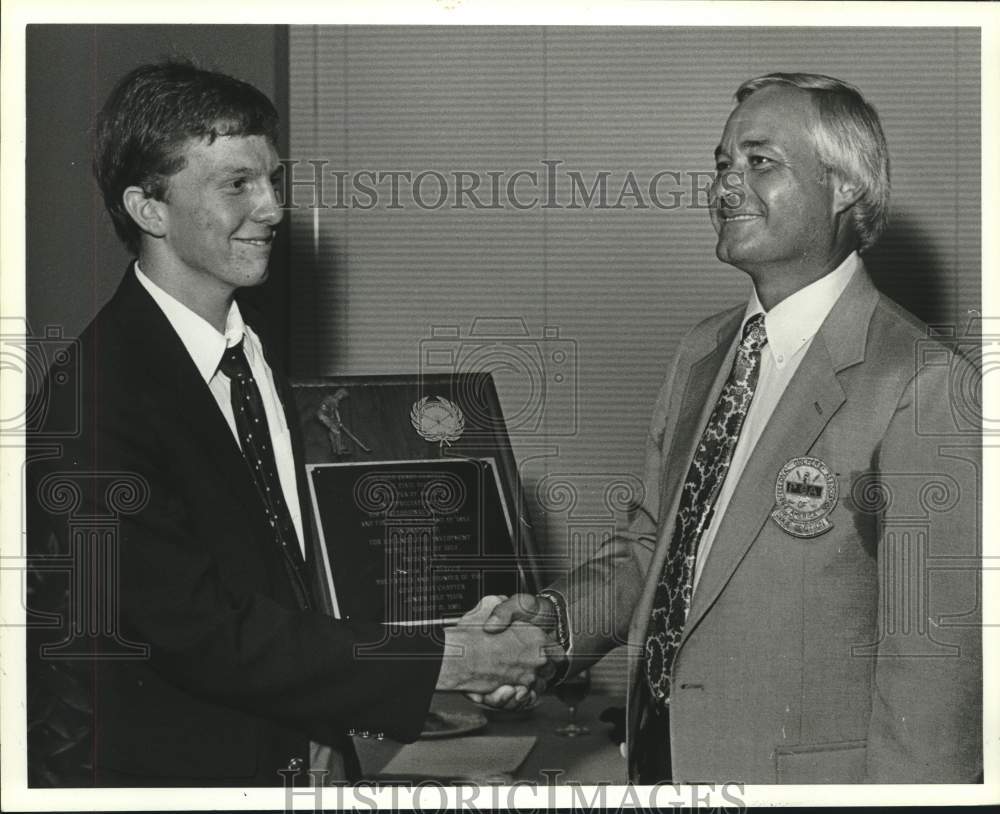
{"x": 204, "y": 343}
{"x": 794, "y": 321}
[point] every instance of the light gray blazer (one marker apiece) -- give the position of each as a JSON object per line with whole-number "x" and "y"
{"x": 850, "y": 657}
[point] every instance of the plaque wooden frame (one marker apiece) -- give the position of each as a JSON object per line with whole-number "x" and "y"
{"x": 380, "y": 419}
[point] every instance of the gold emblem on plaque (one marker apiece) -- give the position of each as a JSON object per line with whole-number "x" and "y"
{"x": 437, "y": 420}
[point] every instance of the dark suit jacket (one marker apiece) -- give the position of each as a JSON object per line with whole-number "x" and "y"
{"x": 238, "y": 677}
{"x": 849, "y": 657}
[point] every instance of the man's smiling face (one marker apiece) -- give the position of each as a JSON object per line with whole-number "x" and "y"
{"x": 781, "y": 217}
{"x": 220, "y": 213}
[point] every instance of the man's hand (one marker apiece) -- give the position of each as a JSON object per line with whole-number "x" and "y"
{"x": 520, "y": 609}
{"x": 479, "y": 662}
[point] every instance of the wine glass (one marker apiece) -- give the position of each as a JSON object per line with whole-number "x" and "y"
{"x": 571, "y": 692}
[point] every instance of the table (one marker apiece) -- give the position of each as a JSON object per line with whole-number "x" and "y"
{"x": 588, "y": 759}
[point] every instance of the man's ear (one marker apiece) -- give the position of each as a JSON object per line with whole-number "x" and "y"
{"x": 147, "y": 212}
{"x": 846, "y": 193}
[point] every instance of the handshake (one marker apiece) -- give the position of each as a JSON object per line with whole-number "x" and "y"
{"x": 503, "y": 652}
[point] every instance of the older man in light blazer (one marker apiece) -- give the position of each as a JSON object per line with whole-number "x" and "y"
{"x": 799, "y": 590}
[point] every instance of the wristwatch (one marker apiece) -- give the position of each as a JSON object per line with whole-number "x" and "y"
{"x": 563, "y": 636}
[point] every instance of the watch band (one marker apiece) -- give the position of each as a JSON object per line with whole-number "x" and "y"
{"x": 563, "y": 636}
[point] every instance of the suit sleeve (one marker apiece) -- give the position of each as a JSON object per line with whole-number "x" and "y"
{"x": 926, "y": 719}
{"x": 235, "y": 647}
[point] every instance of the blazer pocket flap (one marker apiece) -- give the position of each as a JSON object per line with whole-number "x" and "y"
{"x": 837, "y": 762}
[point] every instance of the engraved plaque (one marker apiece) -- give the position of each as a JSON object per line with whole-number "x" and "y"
{"x": 413, "y": 542}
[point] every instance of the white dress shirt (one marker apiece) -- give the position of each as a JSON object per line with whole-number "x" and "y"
{"x": 206, "y": 346}
{"x": 791, "y": 326}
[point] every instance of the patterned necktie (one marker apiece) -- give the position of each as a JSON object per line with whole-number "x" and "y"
{"x": 705, "y": 476}
{"x": 255, "y": 440}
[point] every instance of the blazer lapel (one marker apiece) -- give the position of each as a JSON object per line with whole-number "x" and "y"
{"x": 705, "y": 380}
{"x": 812, "y": 397}
{"x": 177, "y": 382}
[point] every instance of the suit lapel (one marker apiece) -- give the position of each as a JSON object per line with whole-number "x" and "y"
{"x": 175, "y": 381}
{"x": 803, "y": 411}
{"x": 705, "y": 382}
{"x": 809, "y": 402}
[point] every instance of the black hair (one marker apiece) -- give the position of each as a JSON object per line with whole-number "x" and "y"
{"x": 149, "y": 116}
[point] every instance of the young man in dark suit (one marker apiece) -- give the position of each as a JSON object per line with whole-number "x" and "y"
{"x": 214, "y": 664}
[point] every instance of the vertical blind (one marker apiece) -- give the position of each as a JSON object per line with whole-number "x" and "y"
{"x": 579, "y": 309}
